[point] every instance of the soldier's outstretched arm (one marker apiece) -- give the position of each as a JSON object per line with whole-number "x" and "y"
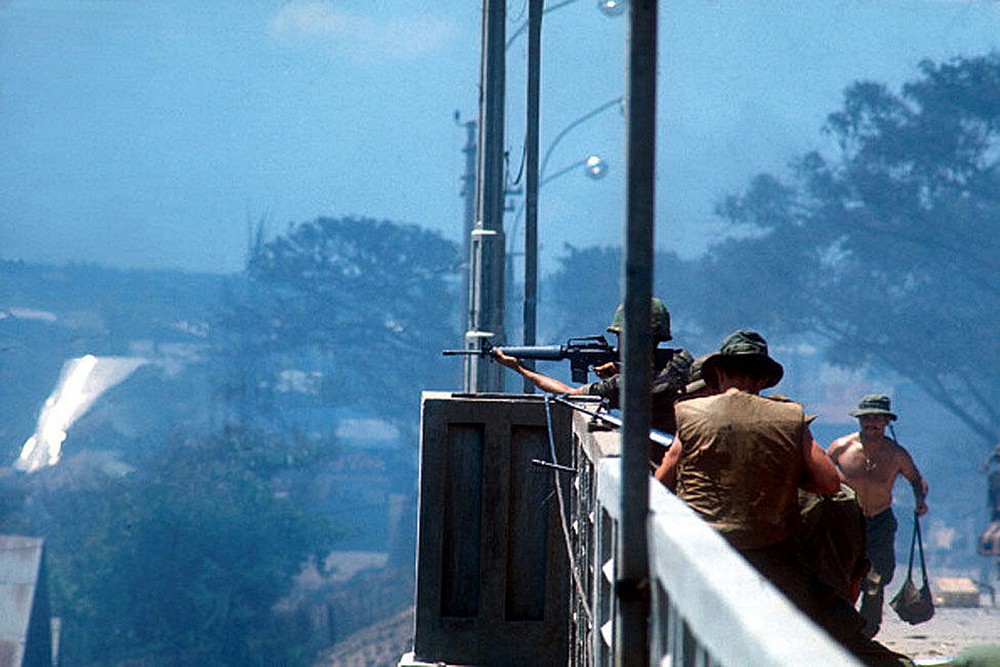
{"x": 543, "y": 382}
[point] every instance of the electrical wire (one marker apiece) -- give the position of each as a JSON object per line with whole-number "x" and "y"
{"x": 581, "y": 592}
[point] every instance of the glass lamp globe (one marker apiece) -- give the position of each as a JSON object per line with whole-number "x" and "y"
{"x": 611, "y": 7}
{"x": 595, "y": 167}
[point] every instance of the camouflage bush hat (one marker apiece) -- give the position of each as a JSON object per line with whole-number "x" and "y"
{"x": 874, "y": 404}
{"x": 659, "y": 320}
{"x": 742, "y": 346}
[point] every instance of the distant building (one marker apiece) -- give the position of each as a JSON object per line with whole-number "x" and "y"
{"x": 26, "y": 638}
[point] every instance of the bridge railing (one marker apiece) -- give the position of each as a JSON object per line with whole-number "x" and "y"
{"x": 708, "y": 605}
{"x": 515, "y": 561}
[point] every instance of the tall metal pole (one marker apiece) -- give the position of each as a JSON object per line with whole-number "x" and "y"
{"x": 486, "y": 293}
{"x": 632, "y": 586}
{"x": 535, "y": 10}
{"x": 468, "y": 215}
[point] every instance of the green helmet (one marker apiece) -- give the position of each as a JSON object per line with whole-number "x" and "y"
{"x": 659, "y": 321}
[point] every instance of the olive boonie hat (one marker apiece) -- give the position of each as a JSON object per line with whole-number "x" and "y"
{"x": 659, "y": 320}
{"x": 874, "y": 404}
{"x": 744, "y": 345}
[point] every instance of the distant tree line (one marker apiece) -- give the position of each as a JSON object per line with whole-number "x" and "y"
{"x": 356, "y": 299}
{"x": 183, "y": 560}
{"x": 886, "y": 250}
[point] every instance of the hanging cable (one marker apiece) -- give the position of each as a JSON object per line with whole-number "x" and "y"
{"x": 581, "y": 592}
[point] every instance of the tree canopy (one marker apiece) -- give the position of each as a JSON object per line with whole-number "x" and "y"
{"x": 183, "y": 560}
{"x": 580, "y": 297}
{"x": 356, "y": 300}
{"x": 888, "y": 247}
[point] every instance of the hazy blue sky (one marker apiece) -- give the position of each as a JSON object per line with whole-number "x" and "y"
{"x": 146, "y": 133}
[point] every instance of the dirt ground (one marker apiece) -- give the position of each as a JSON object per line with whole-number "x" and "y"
{"x": 944, "y": 636}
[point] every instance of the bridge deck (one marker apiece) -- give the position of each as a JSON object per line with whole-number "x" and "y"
{"x": 944, "y": 636}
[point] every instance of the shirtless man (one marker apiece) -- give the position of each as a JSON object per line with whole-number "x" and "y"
{"x": 869, "y": 462}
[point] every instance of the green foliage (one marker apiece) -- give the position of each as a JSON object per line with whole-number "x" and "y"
{"x": 185, "y": 561}
{"x": 888, "y": 248}
{"x": 357, "y": 300}
{"x": 182, "y": 561}
{"x": 582, "y": 295}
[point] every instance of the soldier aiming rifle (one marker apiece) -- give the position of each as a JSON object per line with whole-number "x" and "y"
{"x": 670, "y": 367}
{"x": 583, "y": 353}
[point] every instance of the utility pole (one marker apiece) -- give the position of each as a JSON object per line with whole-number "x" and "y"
{"x": 535, "y": 11}
{"x": 468, "y": 214}
{"x": 632, "y": 578}
{"x": 486, "y": 289}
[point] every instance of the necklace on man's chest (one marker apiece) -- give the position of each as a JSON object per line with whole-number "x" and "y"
{"x": 871, "y": 460}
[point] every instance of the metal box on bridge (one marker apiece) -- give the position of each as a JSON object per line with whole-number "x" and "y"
{"x": 492, "y": 573}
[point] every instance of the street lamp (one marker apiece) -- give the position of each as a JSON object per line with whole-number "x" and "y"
{"x": 485, "y": 246}
{"x": 612, "y": 7}
{"x": 608, "y": 8}
{"x": 618, "y": 101}
{"x": 594, "y": 168}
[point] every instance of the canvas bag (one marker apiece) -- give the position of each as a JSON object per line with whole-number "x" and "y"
{"x": 914, "y": 605}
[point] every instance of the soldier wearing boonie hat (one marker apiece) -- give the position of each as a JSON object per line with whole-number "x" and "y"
{"x": 724, "y": 431}
{"x": 869, "y": 462}
{"x": 874, "y": 404}
{"x": 738, "y": 461}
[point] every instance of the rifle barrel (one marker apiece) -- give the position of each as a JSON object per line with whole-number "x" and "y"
{"x": 540, "y": 352}
{"x": 657, "y": 436}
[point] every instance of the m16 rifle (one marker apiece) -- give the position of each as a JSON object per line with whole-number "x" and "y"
{"x": 659, "y": 437}
{"x": 583, "y": 353}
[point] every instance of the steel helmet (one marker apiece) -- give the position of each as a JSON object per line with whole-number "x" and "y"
{"x": 659, "y": 320}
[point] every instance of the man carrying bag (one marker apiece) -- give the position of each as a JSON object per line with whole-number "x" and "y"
{"x": 914, "y": 605}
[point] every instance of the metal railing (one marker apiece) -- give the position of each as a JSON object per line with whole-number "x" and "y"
{"x": 515, "y": 562}
{"x": 709, "y": 607}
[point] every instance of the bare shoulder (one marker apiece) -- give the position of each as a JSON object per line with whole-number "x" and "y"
{"x": 898, "y": 451}
{"x": 843, "y": 443}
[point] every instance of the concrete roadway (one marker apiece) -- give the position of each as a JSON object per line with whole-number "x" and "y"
{"x": 944, "y": 636}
